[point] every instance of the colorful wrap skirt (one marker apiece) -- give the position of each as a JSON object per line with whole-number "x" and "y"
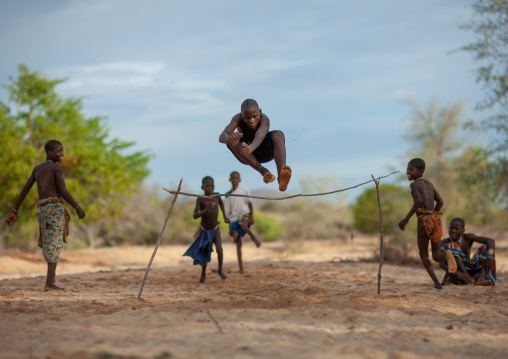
{"x": 431, "y": 223}
{"x": 473, "y": 265}
{"x": 53, "y": 222}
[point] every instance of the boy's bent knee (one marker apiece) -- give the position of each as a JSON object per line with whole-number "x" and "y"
{"x": 278, "y": 136}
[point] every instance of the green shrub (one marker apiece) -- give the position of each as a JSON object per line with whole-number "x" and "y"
{"x": 269, "y": 229}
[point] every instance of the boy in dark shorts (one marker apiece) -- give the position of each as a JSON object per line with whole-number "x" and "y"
{"x": 209, "y": 231}
{"x": 253, "y": 143}
{"x": 429, "y": 224}
{"x": 241, "y": 216}
{"x": 479, "y": 270}
{"x": 51, "y": 214}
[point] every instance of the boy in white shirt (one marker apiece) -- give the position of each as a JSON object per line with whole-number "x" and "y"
{"x": 241, "y": 215}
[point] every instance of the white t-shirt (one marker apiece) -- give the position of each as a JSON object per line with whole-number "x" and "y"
{"x": 236, "y": 207}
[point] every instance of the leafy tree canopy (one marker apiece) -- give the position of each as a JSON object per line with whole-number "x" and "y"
{"x": 490, "y": 49}
{"x": 97, "y": 170}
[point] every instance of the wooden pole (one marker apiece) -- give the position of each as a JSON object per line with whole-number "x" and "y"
{"x": 160, "y": 237}
{"x": 381, "y": 236}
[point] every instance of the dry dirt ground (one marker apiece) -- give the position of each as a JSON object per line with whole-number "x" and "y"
{"x": 302, "y": 302}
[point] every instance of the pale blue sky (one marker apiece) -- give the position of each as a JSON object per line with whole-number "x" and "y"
{"x": 169, "y": 75}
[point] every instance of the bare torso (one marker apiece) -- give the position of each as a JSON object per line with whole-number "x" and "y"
{"x": 426, "y": 191}
{"x": 46, "y": 179}
{"x": 209, "y": 218}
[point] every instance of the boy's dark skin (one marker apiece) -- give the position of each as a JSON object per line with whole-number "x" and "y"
{"x": 254, "y": 118}
{"x": 50, "y": 183}
{"x": 235, "y": 181}
{"x": 207, "y": 209}
{"x": 424, "y": 195}
{"x": 456, "y": 231}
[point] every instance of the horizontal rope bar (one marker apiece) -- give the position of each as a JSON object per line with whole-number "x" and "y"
{"x": 273, "y": 198}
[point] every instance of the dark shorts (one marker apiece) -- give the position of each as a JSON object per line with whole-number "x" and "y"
{"x": 264, "y": 153}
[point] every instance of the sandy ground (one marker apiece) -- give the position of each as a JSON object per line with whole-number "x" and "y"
{"x": 299, "y": 303}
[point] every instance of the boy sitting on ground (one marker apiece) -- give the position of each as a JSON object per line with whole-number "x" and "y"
{"x": 481, "y": 269}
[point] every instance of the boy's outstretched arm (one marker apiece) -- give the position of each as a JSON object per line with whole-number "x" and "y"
{"x": 11, "y": 219}
{"x": 418, "y": 201}
{"x": 64, "y": 192}
{"x": 229, "y": 135}
{"x": 439, "y": 201}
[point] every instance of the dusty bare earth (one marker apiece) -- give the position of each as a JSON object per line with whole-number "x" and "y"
{"x": 299, "y": 303}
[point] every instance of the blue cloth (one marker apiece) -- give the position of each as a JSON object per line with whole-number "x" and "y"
{"x": 237, "y": 227}
{"x": 474, "y": 265}
{"x": 202, "y": 248}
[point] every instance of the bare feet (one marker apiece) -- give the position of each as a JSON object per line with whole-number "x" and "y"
{"x": 484, "y": 282}
{"x": 284, "y": 177}
{"x": 438, "y": 286}
{"x": 222, "y": 275}
{"x": 51, "y": 287}
{"x": 202, "y": 279}
{"x": 258, "y": 243}
{"x": 268, "y": 177}
{"x": 452, "y": 265}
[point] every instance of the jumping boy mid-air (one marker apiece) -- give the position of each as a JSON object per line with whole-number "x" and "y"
{"x": 249, "y": 137}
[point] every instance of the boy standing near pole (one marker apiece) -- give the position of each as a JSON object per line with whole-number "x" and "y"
{"x": 429, "y": 225}
{"x": 209, "y": 232}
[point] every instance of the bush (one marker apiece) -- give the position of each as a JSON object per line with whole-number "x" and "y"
{"x": 395, "y": 204}
{"x": 269, "y": 229}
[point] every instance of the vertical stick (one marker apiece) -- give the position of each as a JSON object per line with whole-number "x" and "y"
{"x": 159, "y": 240}
{"x": 381, "y": 236}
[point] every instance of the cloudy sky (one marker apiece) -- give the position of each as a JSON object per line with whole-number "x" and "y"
{"x": 169, "y": 75}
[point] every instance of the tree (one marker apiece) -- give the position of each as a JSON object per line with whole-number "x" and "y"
{"x": 433, "y": 135}
{"x": 98, "y": 171}
{"x": 490, "y": 49}
{"x": 434, "y": 138}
